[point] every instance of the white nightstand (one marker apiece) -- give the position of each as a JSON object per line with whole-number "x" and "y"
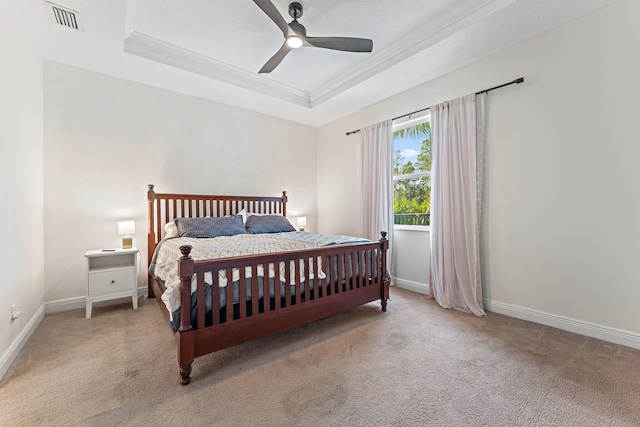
{"x": 111, "y": 274}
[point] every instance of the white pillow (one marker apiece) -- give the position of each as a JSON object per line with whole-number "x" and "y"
{"x": 170, "y": 230}
{"x": 244, "y": 216}
{"x": 243, "y": 212}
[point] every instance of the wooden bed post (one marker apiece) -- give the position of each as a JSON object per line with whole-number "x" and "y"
{"x": 384, "y": 289}
{"x": 284, "y": 203}
{"x": 184, "y": 335}
{"x": 151, "y": 237}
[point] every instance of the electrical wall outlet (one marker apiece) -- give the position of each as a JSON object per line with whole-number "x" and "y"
{"x": 15, "y": 313}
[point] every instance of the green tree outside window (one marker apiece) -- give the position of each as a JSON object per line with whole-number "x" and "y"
{"x": 412, "y": 193}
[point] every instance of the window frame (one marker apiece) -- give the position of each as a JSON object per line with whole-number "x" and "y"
{"x": 411, "y": 120}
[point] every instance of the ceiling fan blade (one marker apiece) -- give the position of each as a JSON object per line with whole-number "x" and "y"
{"x": 276, "y": 59}
{"x": 271, "y": 11}
{"x": 347, "y": 44}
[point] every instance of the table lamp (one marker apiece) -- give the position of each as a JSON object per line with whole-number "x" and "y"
{"x": 302, "y": 223}
{"x": 125, "y": 229}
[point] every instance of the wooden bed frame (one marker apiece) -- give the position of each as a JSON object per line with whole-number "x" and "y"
{"x": 256, "y": 319}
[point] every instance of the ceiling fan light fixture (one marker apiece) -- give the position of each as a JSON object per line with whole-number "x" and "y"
{"x": 294, "y": 42}
{"x": 295, "y": 35}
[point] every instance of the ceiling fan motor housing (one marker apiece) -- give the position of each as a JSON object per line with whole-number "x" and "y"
{"x": 295, "y": 10}
{"x": 298, "y": 28}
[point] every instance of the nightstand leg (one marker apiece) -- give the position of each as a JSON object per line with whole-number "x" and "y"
{"x": 134, "y": 299}
{"x": 89, "y": 307}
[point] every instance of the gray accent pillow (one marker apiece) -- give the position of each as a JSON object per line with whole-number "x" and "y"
{"x": 257, "y": 224}
{"x": 210, "y": 227}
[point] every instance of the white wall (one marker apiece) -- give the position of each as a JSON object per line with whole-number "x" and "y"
{"x": 105, "y": 139}
{"x": 339, "y": 184}
{"x": 412, "y": 259}
{"x": 561, "y": 236}
{"x": 21, "y": 249}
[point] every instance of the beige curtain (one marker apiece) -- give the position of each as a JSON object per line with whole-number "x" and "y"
{"x": 377, "y": 183}
{"x": 455, "y": 280}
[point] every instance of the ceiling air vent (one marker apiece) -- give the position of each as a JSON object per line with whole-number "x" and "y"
{"x": 64, "y": 16}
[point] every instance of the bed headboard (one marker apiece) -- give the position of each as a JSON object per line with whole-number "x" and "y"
{"x": 165, "y": 207}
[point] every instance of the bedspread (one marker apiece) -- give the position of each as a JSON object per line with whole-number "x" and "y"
{"x": 165, "y": 261}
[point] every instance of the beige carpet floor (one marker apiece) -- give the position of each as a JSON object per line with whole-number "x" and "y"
{"x": 415, "y": 365}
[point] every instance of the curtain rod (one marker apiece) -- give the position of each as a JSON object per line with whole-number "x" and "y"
{"x": 516, "y": 81}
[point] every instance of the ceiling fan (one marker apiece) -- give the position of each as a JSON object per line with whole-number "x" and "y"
{"x": 295, "y": 35}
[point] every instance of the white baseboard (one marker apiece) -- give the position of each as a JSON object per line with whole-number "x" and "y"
{"x": 588, "y": 329}
{"x": 613, "y": 335}
{"x": 76, "y": 302}
{"x": 11, "y": 353}
{"x": 65, "y": 304}
{"x": 420, "y": 288}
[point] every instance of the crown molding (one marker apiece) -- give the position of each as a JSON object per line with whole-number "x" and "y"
{"x": 452, "y": 20}
{"x": 148, "y": 47}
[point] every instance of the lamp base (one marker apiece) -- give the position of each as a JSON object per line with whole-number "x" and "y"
{"x": 127, "y": 242}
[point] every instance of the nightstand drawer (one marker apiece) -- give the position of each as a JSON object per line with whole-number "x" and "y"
{"x": 111, "y": 281}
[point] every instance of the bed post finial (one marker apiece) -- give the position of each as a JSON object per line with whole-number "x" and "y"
{"x": 185, "y": 250}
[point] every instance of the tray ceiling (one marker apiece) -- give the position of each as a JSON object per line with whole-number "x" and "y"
{"x": 214, "y": 49}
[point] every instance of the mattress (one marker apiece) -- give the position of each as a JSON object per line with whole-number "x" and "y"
{"x": 164, "y": 264}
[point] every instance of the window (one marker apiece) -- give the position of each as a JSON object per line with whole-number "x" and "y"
{"x": 412, "y": 172}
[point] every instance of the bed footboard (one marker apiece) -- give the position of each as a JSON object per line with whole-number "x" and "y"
{"x": 284, "y": 290}
{"x": 275, "y": 291}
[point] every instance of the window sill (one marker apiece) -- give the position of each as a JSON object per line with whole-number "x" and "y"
{"x": 412, "y": 227}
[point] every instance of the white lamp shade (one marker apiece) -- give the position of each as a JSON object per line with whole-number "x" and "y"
{"x": 126, "y": 227}
{"x": 302, "y": 221}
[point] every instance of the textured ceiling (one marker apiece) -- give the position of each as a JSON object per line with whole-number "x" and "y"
{"x": 214, "y": 48}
